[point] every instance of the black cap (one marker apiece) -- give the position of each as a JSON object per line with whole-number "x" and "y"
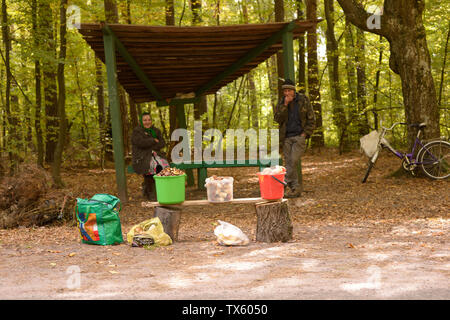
{"x": 288, "y": 84}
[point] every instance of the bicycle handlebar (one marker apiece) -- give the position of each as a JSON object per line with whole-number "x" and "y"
{"x": 395, "y": 124}
{"x": 402, "y": 123}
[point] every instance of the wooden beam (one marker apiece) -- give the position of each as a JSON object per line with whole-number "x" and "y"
{"x": 247, "y": 58}
{"x": 132, "y": 63}
{"x": 175, "y": 102}
{"x": 289, "y": 73}
{"x": 181, "y": 117}
{"x": 206, "y": 202}
{"x": 116, "y": 119}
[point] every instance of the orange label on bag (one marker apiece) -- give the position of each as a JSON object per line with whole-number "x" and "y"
{"x": 91, "y": 228}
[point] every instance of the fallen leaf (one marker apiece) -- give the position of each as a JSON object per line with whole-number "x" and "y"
{"x": 113, "y": 272}
{"x": 71, "y": 254}
{"x": 349, "y": 245}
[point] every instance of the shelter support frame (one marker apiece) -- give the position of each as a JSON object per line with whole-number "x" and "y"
{"x": 112, "y": 43}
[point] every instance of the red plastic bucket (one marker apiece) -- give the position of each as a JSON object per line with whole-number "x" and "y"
{"x": 270, "y": 187}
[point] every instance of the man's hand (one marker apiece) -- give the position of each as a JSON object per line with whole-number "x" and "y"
{"x": 288, "y": 99}
{"x": 157, "y": 141}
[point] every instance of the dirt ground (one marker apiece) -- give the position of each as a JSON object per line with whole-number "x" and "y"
{"x": 386, "y": 239}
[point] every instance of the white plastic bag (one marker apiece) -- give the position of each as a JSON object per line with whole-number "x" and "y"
{"x": 230, "y": 235}
{"x": 369, "y": 143}
{"x": 274, "y": 170}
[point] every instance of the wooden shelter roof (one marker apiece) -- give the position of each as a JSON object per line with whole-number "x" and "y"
{"x": 187, "y": 60}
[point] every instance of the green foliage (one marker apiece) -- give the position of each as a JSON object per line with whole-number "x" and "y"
{"x": 81, "y": 101}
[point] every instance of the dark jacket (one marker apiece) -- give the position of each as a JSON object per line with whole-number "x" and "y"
{"x": 142, "y": 145}
{"x": 306, "y": 115}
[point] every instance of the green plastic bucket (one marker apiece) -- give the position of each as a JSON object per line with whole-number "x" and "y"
{"x": 170, "y": 189}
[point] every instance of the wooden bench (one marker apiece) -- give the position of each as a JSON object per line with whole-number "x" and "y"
{"x": 202, "y": 168}
{"x": 273, "y": 219}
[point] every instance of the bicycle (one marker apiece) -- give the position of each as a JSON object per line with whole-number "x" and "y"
{"x": 433, "y": 156}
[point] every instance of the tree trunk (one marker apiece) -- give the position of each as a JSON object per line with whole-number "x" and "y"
{"x": 128, "y": 11}
{"x": 273, "y": 81}
{"x": 85, "y": 139}
{"x": 56, "y": 165}
{"x": 196, "y": 8}
{"x": 339, "y": 118}
{"x": 132, "y": 105}
{"x": 251, "y": 81}
{"x": 49, "y": 71}
{"x": 301, "y": 51}
{"x": 443, "y": 67}
{"x": 170, "y": 13}
{"x": 273, "y": 222}
{"x": 317, "y": 139}
{"x": 163, "y": 125}
{"x": 377, "y": 85}
{"x": 112, "y": 16}
{"x": 111, "y": 12}
{"x": 101, "y": 110}
{"x": 37, "y": 76}
{"x": 351, "y": 83}
{"x": 279, "y": 17}
{"x": 401, "y": 24}
{"x": 7, "y": 46}
{"x": 200, "y": 107}
{"x": 170, "y": 21}
{"x": 363, "y": 126}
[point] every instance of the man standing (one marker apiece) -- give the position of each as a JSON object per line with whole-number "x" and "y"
{"x": 296, "y": 120}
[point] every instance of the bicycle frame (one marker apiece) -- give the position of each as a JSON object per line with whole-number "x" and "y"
{"x": 408, "y": 157}
{"x": 425, "y": 157}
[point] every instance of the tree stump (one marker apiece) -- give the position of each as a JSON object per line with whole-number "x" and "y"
{"x": 273, "y": 222}
{"x": 170, "y": 219}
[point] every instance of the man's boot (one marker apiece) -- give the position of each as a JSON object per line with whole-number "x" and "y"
{"x": 293, "y": 193}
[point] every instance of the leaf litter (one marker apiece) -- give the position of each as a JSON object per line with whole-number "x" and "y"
{"x": 335, "y": 212}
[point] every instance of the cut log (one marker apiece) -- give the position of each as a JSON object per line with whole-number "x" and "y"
{"x": 273, "y": 222}
{"x": 170, "y": 219}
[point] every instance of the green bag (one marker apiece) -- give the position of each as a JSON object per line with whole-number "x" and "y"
{"x": 98, "y": 219}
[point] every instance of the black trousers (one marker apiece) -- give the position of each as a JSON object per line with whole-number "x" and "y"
{"x": 148, "y": 187}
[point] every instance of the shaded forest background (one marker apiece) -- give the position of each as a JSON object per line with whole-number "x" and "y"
{"x": 54, "y": 98}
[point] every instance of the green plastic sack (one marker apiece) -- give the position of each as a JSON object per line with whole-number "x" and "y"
{"x": 98, "y": 219}
{"x": 152, "y": 228}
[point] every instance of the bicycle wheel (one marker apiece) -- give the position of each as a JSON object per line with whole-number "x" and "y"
{"x": 434, "y": 159}
{"x": 370, "y": 166}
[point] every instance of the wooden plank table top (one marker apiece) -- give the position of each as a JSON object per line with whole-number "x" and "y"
{"x": 149, "y": 204}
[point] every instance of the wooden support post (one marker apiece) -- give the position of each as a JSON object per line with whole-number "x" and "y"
{"x": 116, "y": 119}
{"x": 170, "y": 219}
{"x": 289, "y": 73}
{"x": 202, "y": 174}
{"x": 288, "y": 55}
{"x": 182, "y": 124}
{"x": 273, "y": 222}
